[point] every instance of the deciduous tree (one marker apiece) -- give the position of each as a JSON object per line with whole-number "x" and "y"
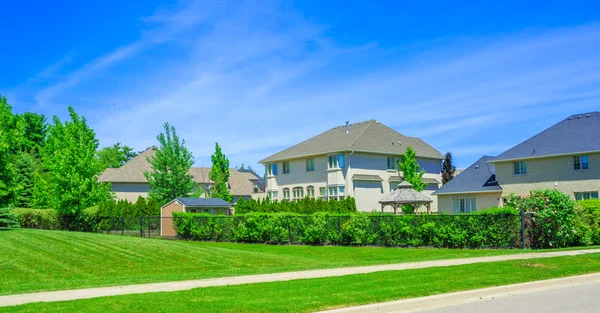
{"x": 72, "y": 168}
{"x": 219, "y": 174}
{"x": 115, "y": 156}
{"x": 410, "y": 170}
{"x": 169, "y": 177}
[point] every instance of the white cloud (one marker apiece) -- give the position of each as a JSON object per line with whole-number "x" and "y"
{"x": 261, "y": 78}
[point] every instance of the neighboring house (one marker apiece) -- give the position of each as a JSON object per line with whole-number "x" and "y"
{"x": 357, "y": 160}
{"x": 565, "y": 157}
{"x": 190, "y": 205}
{"x": 475, "y": 188}
{"x": 128, "y": 181}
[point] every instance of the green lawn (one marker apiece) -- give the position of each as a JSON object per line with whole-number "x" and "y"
{"x": 325, "y": 293}
{"x": 39, "y": 260}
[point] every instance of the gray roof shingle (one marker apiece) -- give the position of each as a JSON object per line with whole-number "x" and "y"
{"x": 577, "y": 133}
{"x": 369, "y": 136}
{"x": 204, "y": 202}
{"x": 479, "y": 177}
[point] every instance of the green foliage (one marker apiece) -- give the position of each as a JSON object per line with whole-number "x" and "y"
{"x": 169, "y": 178}
{"x": 460, "y": 231}
{"x": 7, "y": 135}
{"x": 409, "y": 169}
{"x": 303, "y": 206}
{"x": 8, "y": 218}
{"x": 219, "y": 174}
{"x": 588, "y": 212}
{"x": 552, "y": 218}
{"x": 38, "y": 218}
{"x": 69, "y": 158}
{"x": 448, "y": 169}
{"x": 35, "y": 127}
{"x": 115, "y": 156}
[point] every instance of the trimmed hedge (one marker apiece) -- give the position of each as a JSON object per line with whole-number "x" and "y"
{"x": 486, "y": 229}
{"x": 303, "y": 206}
{"x": 38, "y": 218}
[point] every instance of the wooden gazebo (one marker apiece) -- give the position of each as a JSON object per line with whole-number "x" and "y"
{"x": 406, "y": 195}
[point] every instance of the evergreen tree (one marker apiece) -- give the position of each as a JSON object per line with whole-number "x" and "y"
{"x": 219, "y": 174}
{"x": 169, "y": 178}
{"x": 69, "y": 157}
{"x": 448, "y": 168}
{"x": 35, "y": 127}
{"x": 7, "y": 136}
{"x": 8, "y": 218}
{"x": 25, "y": 167}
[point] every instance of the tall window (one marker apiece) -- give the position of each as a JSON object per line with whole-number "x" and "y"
{"x": 286, "y": 193}
{"x": 580, "y": 162}
{"x": 336, "y": 161}
{"x": 310, "y": 165}
{"x": 520, "y": 168}
{"x": 273, "y": 195}
{"x": 333, "y": 192}
{"x": 286, "y": 167}
{"x": 465, "y": 204}
{"x": 586, "y": 195}
{"x": 310, "y": 192}
{"x": 298, "y": 193}
{"x": 391, "y": 163}
{"x": 322, "y": 192}
{"x": 272, "y": 169}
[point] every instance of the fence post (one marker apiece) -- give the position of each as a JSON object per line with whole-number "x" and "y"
{"x": 522, "y": 229}
{"x": 289, "y": 230}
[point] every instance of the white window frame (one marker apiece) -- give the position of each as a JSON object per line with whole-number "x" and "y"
{"x": 286, "y": 193}
{"x": 273, "y": 195}
{"x": 332, "y": 161}
{"x": 520, "y": 168}
{"x": 465, "y": 204}
{"x": 323, "y": 192}
{"x": 310, "y": 192}
{"x": 298, "y": 193}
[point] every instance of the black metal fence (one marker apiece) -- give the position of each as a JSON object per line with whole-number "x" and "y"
{"x": 454, "y": 231}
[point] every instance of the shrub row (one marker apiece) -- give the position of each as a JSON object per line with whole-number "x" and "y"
{"x": 303, "y": 206}
{"x": 500, "y": 228}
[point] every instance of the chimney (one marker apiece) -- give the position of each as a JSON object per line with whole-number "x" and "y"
{"x": 347, "y": 127}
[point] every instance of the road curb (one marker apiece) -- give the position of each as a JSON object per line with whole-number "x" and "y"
{"x": 470, "y": 296}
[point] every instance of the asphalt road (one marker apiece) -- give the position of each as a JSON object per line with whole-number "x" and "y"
{"x": 577, "y": 299}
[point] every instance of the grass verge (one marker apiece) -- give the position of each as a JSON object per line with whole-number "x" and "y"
{"x": 325, "y": 293}
{"x": 39, "y": 260}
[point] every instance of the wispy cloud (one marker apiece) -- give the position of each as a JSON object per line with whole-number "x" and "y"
{"x": 261, "y": 78}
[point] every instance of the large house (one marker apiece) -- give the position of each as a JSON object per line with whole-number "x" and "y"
{"x": 128, "y": 181}
{"x": 357, "y": 160}
{"x": 565, "y": 157}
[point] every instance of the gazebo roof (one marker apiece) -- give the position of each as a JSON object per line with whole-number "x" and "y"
{"x": 405, "y": 194}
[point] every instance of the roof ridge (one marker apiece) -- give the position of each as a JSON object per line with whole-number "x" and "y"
{"x": 361, "y": 133}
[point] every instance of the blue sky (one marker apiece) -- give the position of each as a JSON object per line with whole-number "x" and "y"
{"x": 259, "y": 76}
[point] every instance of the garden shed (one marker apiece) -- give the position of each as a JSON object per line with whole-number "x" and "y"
{"x": 190, "y": 205}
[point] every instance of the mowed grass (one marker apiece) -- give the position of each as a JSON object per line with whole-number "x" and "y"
{"x": 310, "y": 295}
{"x": 40, "y": 260}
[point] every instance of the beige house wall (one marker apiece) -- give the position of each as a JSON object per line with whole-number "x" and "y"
{"x": 553, "y": 172}
{"x": 355, "y": 163}
{"x": 482, "y": 201}
{"x": 130, "y": 191}
{"x": 166, "y": 222}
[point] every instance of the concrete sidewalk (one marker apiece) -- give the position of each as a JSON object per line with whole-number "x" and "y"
{"x": 456, "y": 300}
{"x": 65, "y": 295}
